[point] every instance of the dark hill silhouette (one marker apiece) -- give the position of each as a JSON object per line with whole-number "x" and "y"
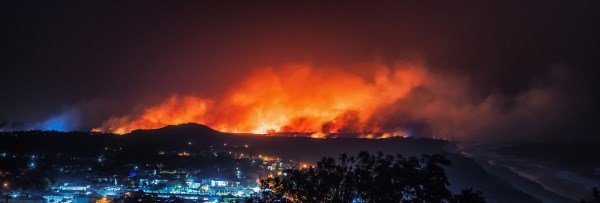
{"x": 299, "y": 148}
{"x": 183, "y": 129}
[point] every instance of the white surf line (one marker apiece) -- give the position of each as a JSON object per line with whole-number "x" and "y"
{"x": 485, "y": 157}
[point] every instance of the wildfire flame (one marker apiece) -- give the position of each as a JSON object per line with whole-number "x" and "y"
{"x": 294, "y": 98}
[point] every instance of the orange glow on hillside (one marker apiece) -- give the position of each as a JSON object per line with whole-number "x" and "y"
{"x": 294, "y": 98}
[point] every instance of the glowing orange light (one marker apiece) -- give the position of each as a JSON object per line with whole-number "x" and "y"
{"x": 294, "y": 98}
{"x": 318, "y": 135}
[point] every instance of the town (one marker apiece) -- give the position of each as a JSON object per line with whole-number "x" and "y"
{"x": 228, "y": 172}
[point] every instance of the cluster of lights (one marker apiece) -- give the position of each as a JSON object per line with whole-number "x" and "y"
{"x": 267, "y": 158}
{"x": 100, "y": 159}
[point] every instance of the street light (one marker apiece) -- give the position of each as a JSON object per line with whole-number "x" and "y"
{"x": 5, "y": 187}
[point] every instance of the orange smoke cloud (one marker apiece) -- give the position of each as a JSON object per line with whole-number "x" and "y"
{"x": 175, "y": 110}
{"x": 294, "y": 98}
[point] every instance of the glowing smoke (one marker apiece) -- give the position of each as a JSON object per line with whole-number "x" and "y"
{"x": 401, "y": 100}
{"x": 295, "y": 98}
{"x": 66, "y": 121}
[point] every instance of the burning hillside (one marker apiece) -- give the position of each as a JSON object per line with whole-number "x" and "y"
{"x": 405, "y": 99}
{"x": 295, "y": 98}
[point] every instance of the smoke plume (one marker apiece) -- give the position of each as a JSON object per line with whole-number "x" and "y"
{"x": 404, "y": 99}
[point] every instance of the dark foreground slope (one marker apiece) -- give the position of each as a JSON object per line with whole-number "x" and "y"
{"x": 464, "y": 173}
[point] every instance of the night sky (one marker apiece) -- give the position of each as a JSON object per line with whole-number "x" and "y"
{"x": 103, "y": 59}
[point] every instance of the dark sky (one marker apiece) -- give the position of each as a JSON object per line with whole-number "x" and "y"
{"x": 119, "y": 54}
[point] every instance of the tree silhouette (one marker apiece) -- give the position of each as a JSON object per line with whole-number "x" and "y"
{"x": 468, "y": 195}
{"x": 367, "y": 178}
{"x": 595, "y": 197}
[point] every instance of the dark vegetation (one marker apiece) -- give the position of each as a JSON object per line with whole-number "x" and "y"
{"x": 595, "y": 197}
{"x": 368, "y": 178}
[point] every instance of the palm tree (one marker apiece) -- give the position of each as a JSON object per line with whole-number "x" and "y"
{"x": 368, "y": 178}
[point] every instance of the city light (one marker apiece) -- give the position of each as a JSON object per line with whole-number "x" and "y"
{"x": 159, "y": 178}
